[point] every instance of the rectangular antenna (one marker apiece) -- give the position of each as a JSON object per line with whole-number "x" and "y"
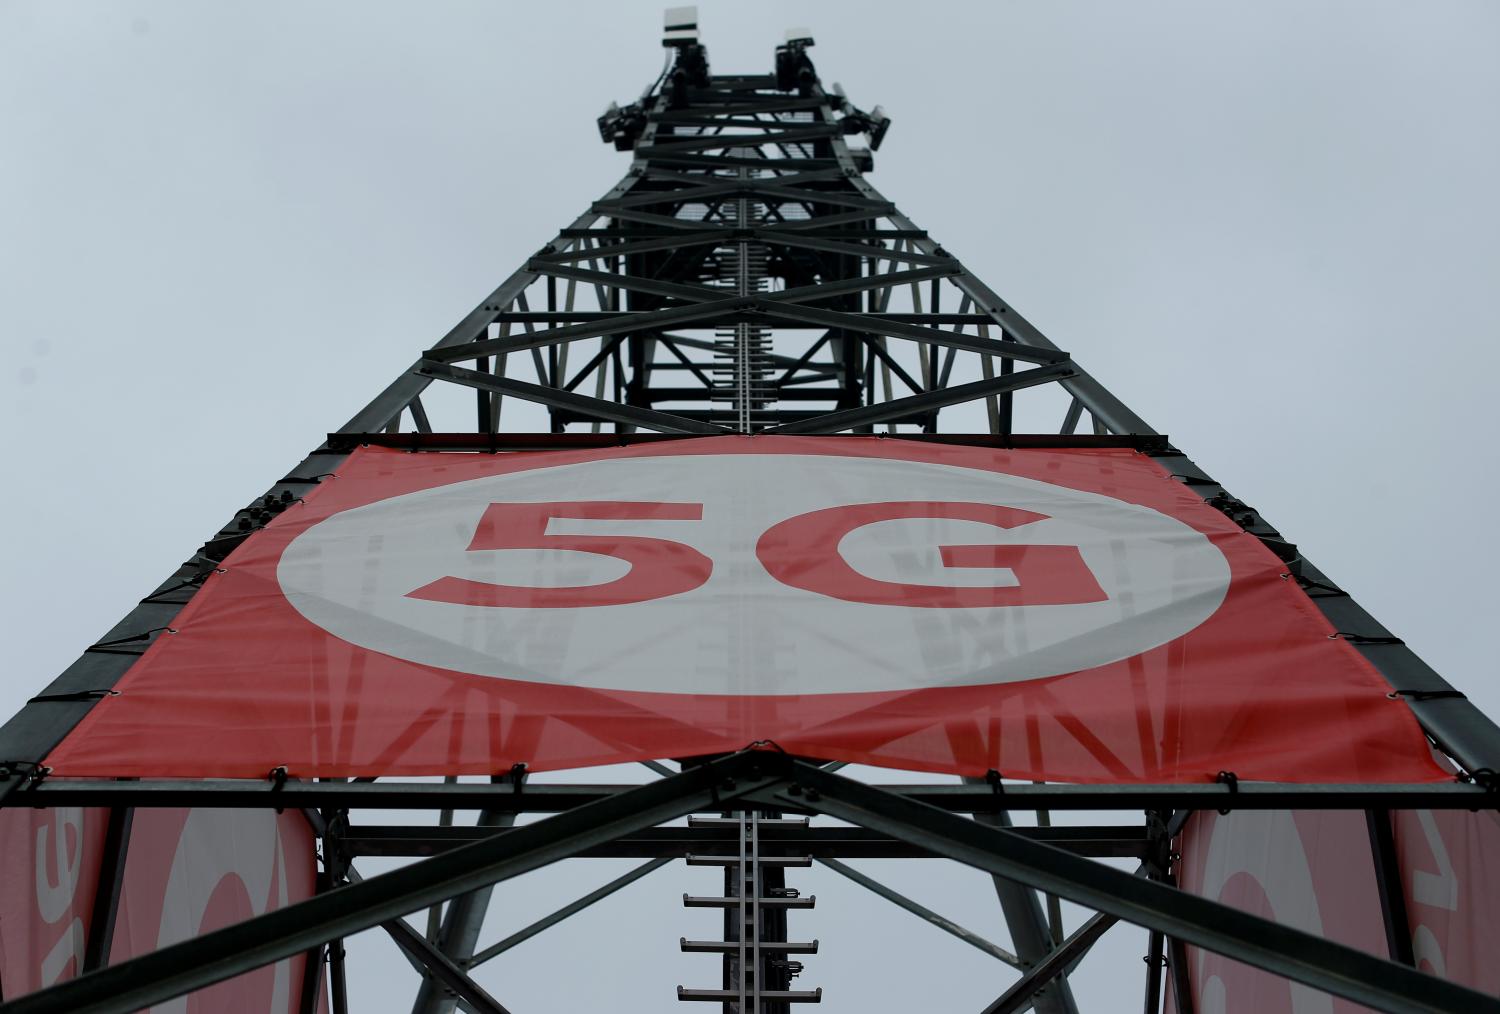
{"x": 680, "y": 26}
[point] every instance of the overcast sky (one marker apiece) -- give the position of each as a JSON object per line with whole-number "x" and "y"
{"x": 1270, "y": 228}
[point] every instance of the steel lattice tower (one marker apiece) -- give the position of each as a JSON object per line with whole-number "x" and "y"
{"x": 744, "y": 277}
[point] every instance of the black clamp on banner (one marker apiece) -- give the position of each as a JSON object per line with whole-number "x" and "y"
{"x": 1232, "y": 780}
{"x": 1485, "y": 778}
{"x": 278, "y": 776}
{"x": 31, "y": 771}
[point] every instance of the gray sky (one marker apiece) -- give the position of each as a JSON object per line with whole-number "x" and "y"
{"x": 1270, "y": 228}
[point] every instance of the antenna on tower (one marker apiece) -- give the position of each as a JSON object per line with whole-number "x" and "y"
{"x": 680, "y": 26}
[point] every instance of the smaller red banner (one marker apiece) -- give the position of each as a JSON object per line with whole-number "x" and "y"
{"x": 186, "y": 872}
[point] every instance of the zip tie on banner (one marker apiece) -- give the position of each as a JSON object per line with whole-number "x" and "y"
{"x": 1427, "y": 695}
{"x": 196, "y": 581}
{"x": 74, "y": 695}
{"x": 518, "y": 776}
{"x": 106, "y": 646}
{"x": 1309, "y": 585}
{"x": 1363, "y": 638}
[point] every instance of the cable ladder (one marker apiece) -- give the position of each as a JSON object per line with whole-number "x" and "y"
{"x": 758, "y": 967}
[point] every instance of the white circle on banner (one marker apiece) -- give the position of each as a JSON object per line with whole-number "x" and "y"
{"x": 742, "y": 632}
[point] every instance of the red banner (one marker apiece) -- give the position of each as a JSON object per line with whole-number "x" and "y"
{"x": 1070, "y": 615}
{"x": 1312, "y": 870}
{"x": 47, "y": 886}
{"x": 1450, "y": 870}
{"x": 1315, "y": 871}
{"x": 186, "y": 872}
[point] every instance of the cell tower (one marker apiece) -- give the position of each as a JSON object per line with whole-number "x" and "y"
{"x": 747, "y": 554}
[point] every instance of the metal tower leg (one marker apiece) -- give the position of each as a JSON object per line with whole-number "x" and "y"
{"x": 1029, "y": 932}
{"x": 460, "y": 933}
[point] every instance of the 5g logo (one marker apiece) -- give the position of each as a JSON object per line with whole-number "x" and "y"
{"x": 748, "y": 574}
{"x": 800, "y": 552}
